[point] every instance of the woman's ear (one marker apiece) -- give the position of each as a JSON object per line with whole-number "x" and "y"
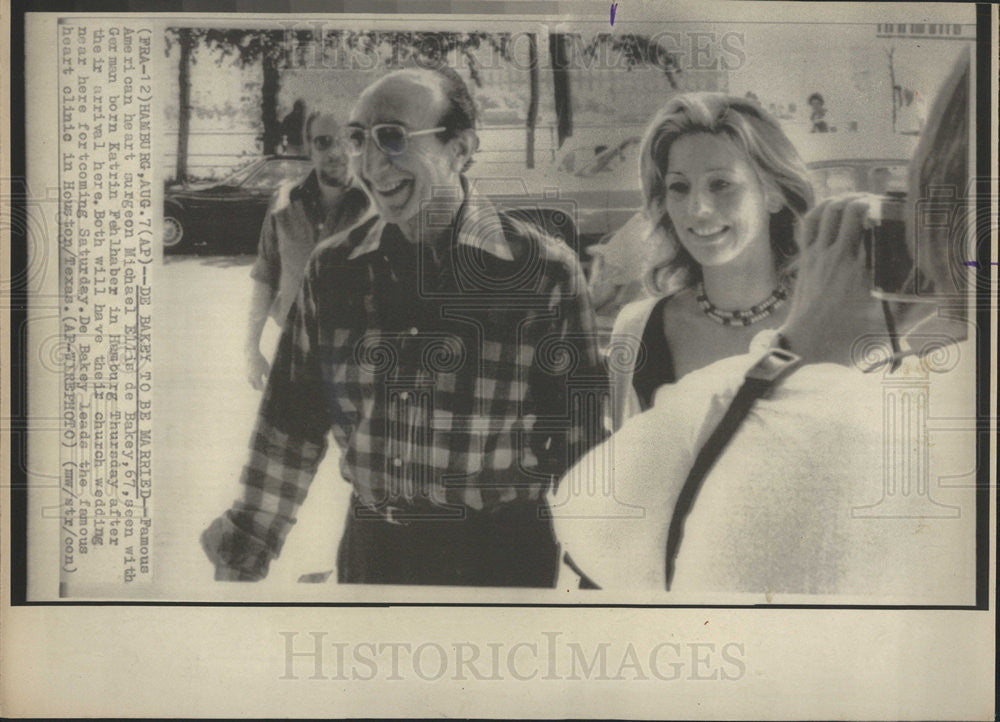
{"x": 773, "y": 199}
{"x": 463, "y": 145}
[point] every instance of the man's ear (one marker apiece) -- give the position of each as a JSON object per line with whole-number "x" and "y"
{"x": 463, "y": 145}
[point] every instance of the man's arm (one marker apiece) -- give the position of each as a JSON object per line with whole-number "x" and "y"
{"x": 578, "y": 393}
{"x": 288, "y": 443}
{"x": 266, "y": 274}
{"x": 257, "y": 367}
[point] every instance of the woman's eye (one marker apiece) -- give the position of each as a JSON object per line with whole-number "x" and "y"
{"x": 719, "y": 184}
{"x": 677, "y": 187}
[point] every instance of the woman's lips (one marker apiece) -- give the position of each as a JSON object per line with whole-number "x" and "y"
{"x": 709, "y": 235}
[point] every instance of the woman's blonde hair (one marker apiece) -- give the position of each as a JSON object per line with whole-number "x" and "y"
{"x": 770, "y": 152}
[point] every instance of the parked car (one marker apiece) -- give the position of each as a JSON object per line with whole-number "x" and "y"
{"x": 226, "y": 215}
{"x": 599, "y": 176}
{"x": 865, "y": 162}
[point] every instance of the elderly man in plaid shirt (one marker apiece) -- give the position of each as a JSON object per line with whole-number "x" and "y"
{"x": 451, "y": 350}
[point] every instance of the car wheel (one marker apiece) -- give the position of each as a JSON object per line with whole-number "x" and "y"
{"x": 174, "y": 234}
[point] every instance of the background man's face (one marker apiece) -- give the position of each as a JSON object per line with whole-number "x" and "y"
{"x": 400, "y": 183}
{"x": 327, "y": 151}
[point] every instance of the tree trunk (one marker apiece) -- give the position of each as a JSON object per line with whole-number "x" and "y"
{"x": 183, "y": 104}
{"x": 892, "y": 85}
{"x": 532, "y": 100}
{"x": 560, "y": 86}
{"x": 269, "y": 97}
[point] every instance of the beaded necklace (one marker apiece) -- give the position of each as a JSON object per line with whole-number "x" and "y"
{"x": 744, "y": 317}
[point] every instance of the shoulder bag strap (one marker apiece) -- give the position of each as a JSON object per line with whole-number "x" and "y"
{"x": 758, "y": 383}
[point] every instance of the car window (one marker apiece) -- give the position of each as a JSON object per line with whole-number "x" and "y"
{"x": 241, "y": 174}
{"x": 887, "y": 179}
{"x": 272, "y": 173}
{"x": 611, "y": 161}
{"x": 832, "y": 181}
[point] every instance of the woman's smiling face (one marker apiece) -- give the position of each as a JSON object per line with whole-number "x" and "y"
{"x": 717, "y": 205}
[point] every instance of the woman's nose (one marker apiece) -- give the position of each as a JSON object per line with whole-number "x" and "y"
{"x": 700, "y": 203}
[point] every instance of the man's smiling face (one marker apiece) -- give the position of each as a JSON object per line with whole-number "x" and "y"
{"x": 400, "y": 183}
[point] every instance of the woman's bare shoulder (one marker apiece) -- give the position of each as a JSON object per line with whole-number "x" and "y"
{"x": 681, "y": 309}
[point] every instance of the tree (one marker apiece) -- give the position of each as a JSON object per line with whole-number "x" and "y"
{"x": 640, "y": 50}
{"x": 187, "y": 39}
{"x": 894, "y": 88}
{"x": 558, "y": 51}
{"x": 532, "y": 101}
{"x": 276, "y": 49}
{"x": 273, "y": 49}
{"x": 633, "y": 50}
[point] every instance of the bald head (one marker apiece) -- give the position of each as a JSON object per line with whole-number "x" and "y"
{"x": 400, "y": 93}
{"x": 436, "y": 101}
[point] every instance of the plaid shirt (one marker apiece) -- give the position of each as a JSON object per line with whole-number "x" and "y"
{"x": 453, "y": 375}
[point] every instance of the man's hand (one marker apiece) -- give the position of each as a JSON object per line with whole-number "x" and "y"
{"x": 257, "y": 368}
{"x": 832, "y": 305}
{"x": 214, "y": 540}
{"x": 228, "y": 574}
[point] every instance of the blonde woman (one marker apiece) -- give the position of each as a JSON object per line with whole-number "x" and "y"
{"x": 723, "y": 188}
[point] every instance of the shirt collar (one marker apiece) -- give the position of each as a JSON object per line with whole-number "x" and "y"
{"x": 307, "y": 189}
{"x": 479, "y": 227}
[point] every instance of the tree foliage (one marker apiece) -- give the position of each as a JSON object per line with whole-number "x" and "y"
{"x": 639, "y": 50}
{"x": 280, "y": 49}
{"x": 423, "y": 48}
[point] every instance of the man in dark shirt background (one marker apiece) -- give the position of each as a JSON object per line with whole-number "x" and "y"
{"x": 300, "y": 215}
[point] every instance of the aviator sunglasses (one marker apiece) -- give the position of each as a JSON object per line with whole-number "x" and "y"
{"x": 324, "y": 142}
{"x": 390, "y": 138}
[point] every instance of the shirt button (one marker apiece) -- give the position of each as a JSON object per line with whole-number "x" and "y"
{"x": 404, "y": 396}
{"x": 414, "y": 331}
{"x": 397, "y": 462}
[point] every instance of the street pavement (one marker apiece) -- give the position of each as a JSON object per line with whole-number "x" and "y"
{"x": 204, "y": 414}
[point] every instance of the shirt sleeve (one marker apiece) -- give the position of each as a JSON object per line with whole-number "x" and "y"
{"x": 287, "y": 445}
{"x": 569, "y": 382}
{"x": 612, "y": 510}
{"x": 267, "y": 268}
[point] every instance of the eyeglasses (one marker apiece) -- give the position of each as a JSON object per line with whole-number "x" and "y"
{"x": 324, "y": 142}
{"x": 390, "y": 138}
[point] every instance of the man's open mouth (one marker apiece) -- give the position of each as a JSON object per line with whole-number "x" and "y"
{"x": 391, "y": 190}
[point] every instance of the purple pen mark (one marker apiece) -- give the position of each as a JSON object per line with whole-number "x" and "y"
{"x": 975, "y": 263}
{"x": 614, "y": 8}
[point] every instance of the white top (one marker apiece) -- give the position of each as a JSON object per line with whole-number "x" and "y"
{"x": 623, "y": 351}
{"x": 825, "y": 489}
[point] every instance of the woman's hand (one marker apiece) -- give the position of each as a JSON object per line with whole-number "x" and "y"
{"x": 832, "y": 306}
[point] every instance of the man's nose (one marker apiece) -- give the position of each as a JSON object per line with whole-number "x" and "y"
{"x": 337, "y": 152}
{"x": 372, "y": 158}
